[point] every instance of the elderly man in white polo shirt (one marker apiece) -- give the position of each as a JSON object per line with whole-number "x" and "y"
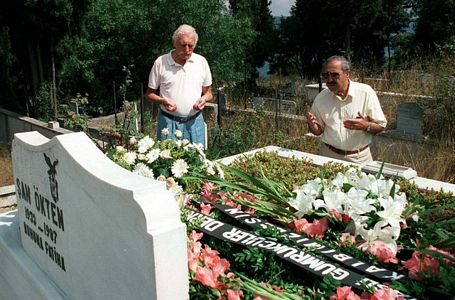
{"x": 184, "y": 81}
{"x": 347, "y": 114}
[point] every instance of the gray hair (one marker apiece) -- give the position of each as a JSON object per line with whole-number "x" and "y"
{"x": 345, "y": 63}
{"x": 185, "y": 29}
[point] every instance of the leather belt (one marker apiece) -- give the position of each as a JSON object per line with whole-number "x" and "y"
{"x": 179, "y": 119}
{"x": 346, "y": 152}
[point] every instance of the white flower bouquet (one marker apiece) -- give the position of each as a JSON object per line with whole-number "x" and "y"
{"x": 168, "y": 160}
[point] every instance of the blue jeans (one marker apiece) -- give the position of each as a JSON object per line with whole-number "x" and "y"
{"x": 193, "y": 130}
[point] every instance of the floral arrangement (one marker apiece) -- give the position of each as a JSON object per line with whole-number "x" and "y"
{"x": 168, "y": 160}
{"x": 374, "y": 205}
{"x": 370, "y": 218}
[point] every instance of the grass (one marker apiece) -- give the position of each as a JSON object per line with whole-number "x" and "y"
{"x": 6, "y": 167}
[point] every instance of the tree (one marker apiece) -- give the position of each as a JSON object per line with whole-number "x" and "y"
{"x": 115, "y": 34}
{"x": 134, "y": 33}
{"x": 223, "y": 37}
{"x": 262, "y": 48}
{"x": 357, "y": 29}
{"x": 435, "y": 25}
{"x": 83, "y": 46}
{"x": 304, "y": 43}
{"x": 35, "y": 27}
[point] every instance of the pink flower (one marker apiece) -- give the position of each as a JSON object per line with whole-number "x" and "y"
{"x": 315, "y": 229}
{"x": 234, "y": 294}
{"x": 386, "y": 294}
{"x": 382, "y": 252}
{"x": 206, "y": 208}
{"x": 423, "y": 264}
{"x": 209, "y": 268}
{"x": 193, "y": 261}
{"x": 298, "y": 225}
{"x": 250, "y": 210}
{"x": 413, "y": 265}
{"x": 344, "y": 293}
{"x": 339, "y": 216}
{"x": 346, "y": 239}
{"x": 233, "y": 204}
{"x": 207, "y": 277}
{"x": 207, "y": 193}
{"x": 195, "y": 236}
{"x": 209, "y": 256}
{"x": 245, "y": 196}
{"x": 221, "y": 266}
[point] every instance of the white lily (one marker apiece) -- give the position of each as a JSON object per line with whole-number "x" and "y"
{"x": 368, "y": 182}
{"x": 385, "y": 186}
{"x": 303, "y": 203}
{"x": 338, "y": 181}
{"x": 357, "y": 202}
{"x": 392, "y": 210}
{"x": 312, "y": 187}
{"x": 387, "y": 235}
{"x": 333, "y": 200}
{"x": 352, "y": 177}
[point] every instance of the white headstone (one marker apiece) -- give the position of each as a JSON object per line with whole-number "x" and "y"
{"x": 95, "y": 229}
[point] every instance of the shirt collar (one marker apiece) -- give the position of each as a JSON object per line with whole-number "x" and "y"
{"x": 349, "y": 94}
{"x": 171, "y": 60}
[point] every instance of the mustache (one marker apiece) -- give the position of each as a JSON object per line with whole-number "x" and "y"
{"x": 331, "y": 82}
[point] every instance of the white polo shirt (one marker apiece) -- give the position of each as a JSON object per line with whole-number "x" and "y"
{"x": 330, "y": 112}
{"x": 180, "y": 84}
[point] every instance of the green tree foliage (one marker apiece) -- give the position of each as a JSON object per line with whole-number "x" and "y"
{"x": 95, "y": 39}
{"x": 223, "y": 38}
{"x": 435, "y": 25}
{"x": 116, "y": 33}
{"x": 34, "y": 28}
{"x": 8, "y": 98}
{"x": 262, "y": 49}
{"x": 357, "y": 29}
{"x": 82, "y": 46}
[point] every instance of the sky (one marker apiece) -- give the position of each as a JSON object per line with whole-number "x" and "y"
{"x": 281, "y": 7}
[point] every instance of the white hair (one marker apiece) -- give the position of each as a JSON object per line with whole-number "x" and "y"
{"x": 185, "y": 29}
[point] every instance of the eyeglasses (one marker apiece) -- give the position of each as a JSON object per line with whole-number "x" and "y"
{"x": 190, "y": 46}
{"x": 334, "y": 75}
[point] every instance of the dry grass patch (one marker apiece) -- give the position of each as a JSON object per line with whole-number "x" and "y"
{"x": 6, "y": 167}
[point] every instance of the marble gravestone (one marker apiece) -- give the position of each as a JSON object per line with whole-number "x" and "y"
{"x": 86, "y": 228}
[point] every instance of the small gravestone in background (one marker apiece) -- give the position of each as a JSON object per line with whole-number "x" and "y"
{"x": 272, "y": 104}
{"x": 409, "y": 119}
{"x": 409, "y": 122}
{"x": 94, "y": 229}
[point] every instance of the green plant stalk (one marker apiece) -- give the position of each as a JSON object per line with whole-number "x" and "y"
{"x": 279, "y": 213}
{"x": 271, "y": 294}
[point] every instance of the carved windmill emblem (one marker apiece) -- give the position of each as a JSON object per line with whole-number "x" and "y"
{"x": 52, "y": 172}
